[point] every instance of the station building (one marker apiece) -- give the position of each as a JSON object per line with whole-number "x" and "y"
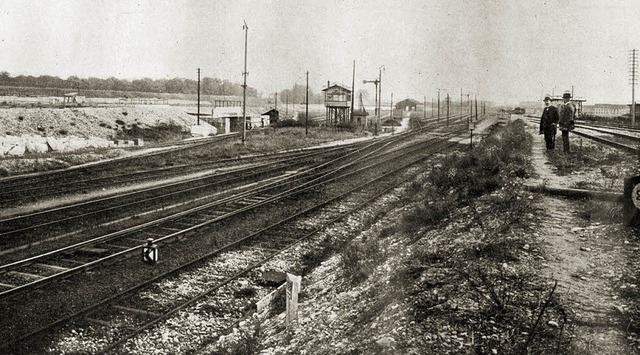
{"x": 606, "y": 110}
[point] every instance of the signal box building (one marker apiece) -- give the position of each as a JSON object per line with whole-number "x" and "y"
{"x": 337, "y": 101}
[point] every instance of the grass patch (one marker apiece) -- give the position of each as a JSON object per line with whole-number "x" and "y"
{"x": 466, "y": 279}
{"x": 580, "y": 157}
{"x": 164, "y": 132}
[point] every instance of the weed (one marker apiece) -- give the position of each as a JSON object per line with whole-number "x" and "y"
{"x": 246, "y": 342}
{"x": 359, "y": 259}
{"x": 245, "y": 292}
{"x": 602, "y": 211}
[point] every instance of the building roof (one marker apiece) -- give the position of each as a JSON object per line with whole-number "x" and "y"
{"x": 337, "y": 85}
{"x": 408, "y": 102}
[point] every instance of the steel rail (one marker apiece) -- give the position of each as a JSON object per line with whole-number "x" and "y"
{"x": 115, "y": 297}
{"x": 71, "y": 271}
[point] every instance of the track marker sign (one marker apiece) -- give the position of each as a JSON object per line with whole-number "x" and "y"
{"x": 150, "y": 252}
{"x": 635, "y": 196}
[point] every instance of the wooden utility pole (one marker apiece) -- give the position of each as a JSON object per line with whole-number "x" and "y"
{"x": 353, "y": 88}
{"x": 460, "y": 102}
{"x": 424, "y": 109}
{"x": 393, "y": 120}
{"x": 448, "y": 101}
{"x": 306, "y": 114}
{"x": 244, "y": 86}
{"x": 198, "y": 119}
{"x": 380, "y": 92}
{"x": 476, "y": 107}
{"x": 438, "y": 105}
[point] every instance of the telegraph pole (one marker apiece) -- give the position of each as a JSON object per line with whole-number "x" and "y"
{"x": 476, "y": 107}
{"x": 353, "y": 88}
{"x": 633, "y": 70}
{"x": 438, "y": 105}
{"x": 198, "y": 119}
{"x": 393, "y": 121}
{"x": 306, "y": 114}
{"x": 460, "y": 102}
{"x": 424, "y": 109}
{"x": 432, "y": 104}
{"x": 448, "y": 101}
{"x": 380, "y": 92}
{"x": 244, "y": 86}
{"x": 470, "y": 110}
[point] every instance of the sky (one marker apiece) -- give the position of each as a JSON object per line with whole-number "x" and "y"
{"x": 506, "y": 51}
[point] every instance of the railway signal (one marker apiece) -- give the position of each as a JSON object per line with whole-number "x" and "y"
{"x": 150, "y": 252}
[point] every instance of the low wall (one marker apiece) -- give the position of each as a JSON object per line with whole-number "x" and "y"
{"x": 18, "y": 146}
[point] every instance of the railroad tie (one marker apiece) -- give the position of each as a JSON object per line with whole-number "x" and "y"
{"x": 52, "y": 267}
{"x": 7, "y": 285}
{"x": 137, "y": 311}
{"x": 26, "y": 275}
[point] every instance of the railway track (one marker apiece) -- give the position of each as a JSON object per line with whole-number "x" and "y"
{"x": 623, "y": 141}
{"x": 35, "y": 188}
{"x": 608, "y": 126}
{"x": 316, "y": 182}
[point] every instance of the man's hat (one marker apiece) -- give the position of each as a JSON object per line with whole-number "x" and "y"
{"x": 566, "y": 95}
{"x": 547, "y": 97}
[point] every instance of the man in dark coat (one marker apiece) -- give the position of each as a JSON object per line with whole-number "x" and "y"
{"x": 548, "y": 123}
{"x": 566, "y": 122}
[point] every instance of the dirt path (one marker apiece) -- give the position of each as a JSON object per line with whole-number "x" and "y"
{"x": 586, "y": 261}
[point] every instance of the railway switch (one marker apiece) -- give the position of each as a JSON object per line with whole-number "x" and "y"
{"x": 150, "y": 252}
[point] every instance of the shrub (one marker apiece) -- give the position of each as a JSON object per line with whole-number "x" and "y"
{"x": 63, "y": 132}
{"x": 245, "y": 292}
{"x": 359, "y": 259}
{"x": 120, "y": 122}
{"x": 429, "y": 213}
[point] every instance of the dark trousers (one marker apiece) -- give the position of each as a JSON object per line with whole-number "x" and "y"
{"x": 565, "y": 141}
{"x": 550, "y": 140}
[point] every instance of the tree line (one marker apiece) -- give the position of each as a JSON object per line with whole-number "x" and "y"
{"x": 208, "y": 86}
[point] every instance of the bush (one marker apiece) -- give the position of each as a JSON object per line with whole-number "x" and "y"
{"x": 246, "y": 292}
{"x": 359, "y": 259}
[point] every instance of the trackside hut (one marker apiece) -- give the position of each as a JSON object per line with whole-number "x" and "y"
{"x": 405, "y": 107}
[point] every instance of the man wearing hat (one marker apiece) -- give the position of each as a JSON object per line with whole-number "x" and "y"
{"x": 566, "y": 123}
{"x": 548, "y": 123}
